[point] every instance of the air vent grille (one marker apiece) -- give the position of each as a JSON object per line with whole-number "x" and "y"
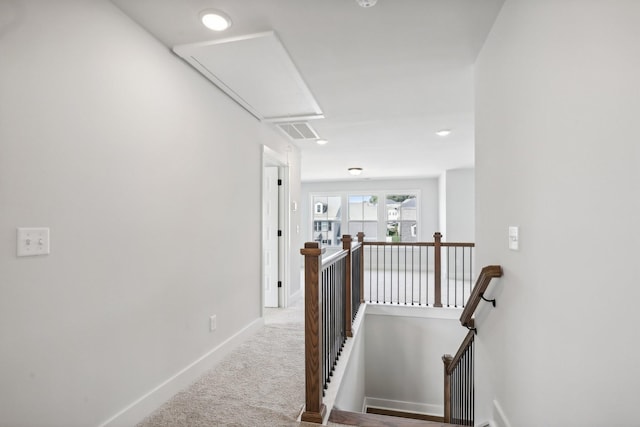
{"x": 298, "y": 131}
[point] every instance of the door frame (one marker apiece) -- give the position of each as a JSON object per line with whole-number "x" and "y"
{"x": 273, "y": 158}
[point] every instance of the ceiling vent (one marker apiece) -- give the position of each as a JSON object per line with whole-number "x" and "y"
{"x": 298, "y": 131}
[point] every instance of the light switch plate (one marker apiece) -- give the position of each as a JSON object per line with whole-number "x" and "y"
{"x": 33, "y": 241}
{"x": 514, "y": 238}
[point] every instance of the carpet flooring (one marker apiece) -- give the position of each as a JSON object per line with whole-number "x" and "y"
{"x": 261, "y": 383}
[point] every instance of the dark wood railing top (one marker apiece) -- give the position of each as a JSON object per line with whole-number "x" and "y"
{"x": 487, "y": 273}
{"x": 451, "y": 362}
{"x": 443, "y": 244}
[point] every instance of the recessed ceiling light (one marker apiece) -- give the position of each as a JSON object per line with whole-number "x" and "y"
{"x": 366, "y": 3}
{"x": 443, "y": 132}
{"x": 215, "y": 20}
{"x": 321, "y": 141}
{"x": 355, "y": 171}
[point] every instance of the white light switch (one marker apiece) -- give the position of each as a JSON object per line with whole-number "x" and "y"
{"x": 33, "y": 241}
{"x": 513, "y": 238}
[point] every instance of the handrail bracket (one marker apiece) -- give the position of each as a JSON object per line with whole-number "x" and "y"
{"x": 492, "y": 301}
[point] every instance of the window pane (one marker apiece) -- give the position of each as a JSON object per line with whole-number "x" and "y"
{"x": 401, "y": 211}
{"x": 326, "y": 220}
{"x": 363, "y": 208}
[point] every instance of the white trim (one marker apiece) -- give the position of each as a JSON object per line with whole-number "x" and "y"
{"x": 397, "y": 405}
{"x": 153, "y": 399}
{"x": 271, "y": 157}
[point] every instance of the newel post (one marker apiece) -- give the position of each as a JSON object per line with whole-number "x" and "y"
{"x": 437, "y": 273}
{"x": 314, "y": 409}
{"x": 346, "y": 245}
{"x": 447, "y": 359}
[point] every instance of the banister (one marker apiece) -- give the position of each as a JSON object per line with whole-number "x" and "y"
{"x": 451, "y": 362}
{"x": 458, "y": 376}
{"x": 331, "y": 259}
{"x": 487, "y": 273}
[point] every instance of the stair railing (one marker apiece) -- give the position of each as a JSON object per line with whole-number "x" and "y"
{"x": 458, "y": 370}
{"x": 335, "y": 288}
{"x": 433, "y": 274}
{"x": 332, "y": 299}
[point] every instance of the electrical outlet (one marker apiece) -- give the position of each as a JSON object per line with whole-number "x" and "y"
{"x": 33, "y": 241}
{"x": 213, "y": 323}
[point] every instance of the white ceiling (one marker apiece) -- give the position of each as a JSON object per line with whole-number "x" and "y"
{"x": 386, "y": 78}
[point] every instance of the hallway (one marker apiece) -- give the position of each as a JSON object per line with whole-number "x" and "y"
{"x": 261, "y": 383}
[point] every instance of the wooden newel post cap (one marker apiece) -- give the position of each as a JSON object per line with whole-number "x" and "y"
{"x": 346, "y": 241}
{"x": 312, "y": 249}
{"x": 437, "y": 235}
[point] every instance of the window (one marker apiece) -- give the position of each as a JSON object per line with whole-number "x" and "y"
{"x": 363, "y": 216}
{"x": 379, "y": 215}
{"x": 327, "y": 218}
{"x": 402, "y": 217}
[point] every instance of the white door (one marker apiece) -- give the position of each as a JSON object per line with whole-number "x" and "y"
{"x": 270, "y": 237}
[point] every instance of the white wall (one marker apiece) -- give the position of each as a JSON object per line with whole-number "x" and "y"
{"x": 403, "y": 356}
{"x": 460, "y": 205}
{"x": 149, "y": 179}
{"x": 429, "y": 204}
{"x": 557, "y": 153}
{"x": 442, "y": 203}
{"x": 351, "y": 392}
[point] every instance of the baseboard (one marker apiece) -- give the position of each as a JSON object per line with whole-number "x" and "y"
{"x": 396, "y": 405}
{"x": 499, "y": 416}
{"x": 150, "y": 401}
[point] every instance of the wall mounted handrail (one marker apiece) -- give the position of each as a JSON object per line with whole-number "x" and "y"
{"x": 458, "y": 370}
{"x": 484, "y": 278}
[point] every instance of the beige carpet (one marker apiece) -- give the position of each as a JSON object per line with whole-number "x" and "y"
{"x": 259, "y": 384}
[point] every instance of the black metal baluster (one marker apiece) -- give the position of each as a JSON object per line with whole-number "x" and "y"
{"x": 455, "y": 277}
{"x": 463, "y": 300}
{"x": 448, "y": 274}
{"x": 420, "y": 275}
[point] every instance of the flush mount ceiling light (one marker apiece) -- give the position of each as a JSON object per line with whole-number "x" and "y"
{"x": 355, "y": 171}
{"x": 321, "y": 141}
{"x": 443, "y": 132}
{"x": 215, "y": 20}
{"x": 366, "y": 3}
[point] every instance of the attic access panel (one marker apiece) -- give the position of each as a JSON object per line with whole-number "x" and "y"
{"x": 257, "y": 72}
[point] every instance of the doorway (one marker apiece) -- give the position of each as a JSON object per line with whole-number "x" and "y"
{"x": 274, "y": 230}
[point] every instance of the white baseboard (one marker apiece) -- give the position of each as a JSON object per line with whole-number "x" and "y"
{"x": 396, "y": 405}
{"x": 150, "y": 401}
{"x": 499, "y": 416}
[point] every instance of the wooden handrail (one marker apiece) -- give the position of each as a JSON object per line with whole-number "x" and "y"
{"x": 430, "y": 244}
{"x": 438, "y": 261}
{"x": 450, "y": 363}
{"x": 453, "y": 361}
{"x": 487, "y": 273}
